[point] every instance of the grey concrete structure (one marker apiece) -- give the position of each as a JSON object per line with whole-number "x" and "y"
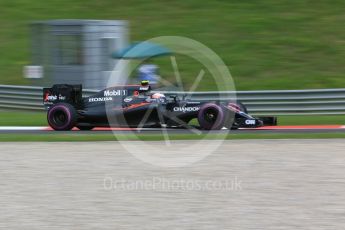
{"x": 77, "y": 51}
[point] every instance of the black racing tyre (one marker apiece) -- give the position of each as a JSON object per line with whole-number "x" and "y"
{"x": 62, "y": 117}
{"x": 85, "y": 128}
{"x": 211, "y": 117}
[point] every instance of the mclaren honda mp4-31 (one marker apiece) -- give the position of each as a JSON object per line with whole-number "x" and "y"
{"x": 139, "y": 106}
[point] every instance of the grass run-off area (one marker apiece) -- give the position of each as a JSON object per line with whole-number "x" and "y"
{"x": 13, "y": 118}
{"x": 20, "y": 118}
{"x": 295, "y": 44}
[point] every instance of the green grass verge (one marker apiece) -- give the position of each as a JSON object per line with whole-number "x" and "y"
{"x": 312, "y": 120}
{"x": 266, "y": 44}
{"x": 19, "y": 118}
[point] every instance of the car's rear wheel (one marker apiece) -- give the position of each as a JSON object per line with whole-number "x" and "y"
{"x": 62, "y": 117}
{"x": 211, "y": 117}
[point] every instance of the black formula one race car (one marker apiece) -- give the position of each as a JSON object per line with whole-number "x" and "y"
{"x": 138, "y": 106}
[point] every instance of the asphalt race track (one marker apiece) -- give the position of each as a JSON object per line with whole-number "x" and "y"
{"x": 268, "y": 129}
{"x": 244, "y": 184}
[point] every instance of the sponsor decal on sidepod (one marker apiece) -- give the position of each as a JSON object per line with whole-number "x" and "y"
{"x": 100, "y": 99}
{"x": 186, "y": 109}
{"x": 113, "y": 93}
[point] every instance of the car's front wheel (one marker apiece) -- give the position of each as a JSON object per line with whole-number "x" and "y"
{"x": 211, "y": 117}
{"x": 62, "y": 116}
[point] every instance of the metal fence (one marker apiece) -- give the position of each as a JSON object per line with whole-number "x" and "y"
{"x": 273, "y": 102}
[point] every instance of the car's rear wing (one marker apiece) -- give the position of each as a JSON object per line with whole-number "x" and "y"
{"x": 71, "y": 94}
